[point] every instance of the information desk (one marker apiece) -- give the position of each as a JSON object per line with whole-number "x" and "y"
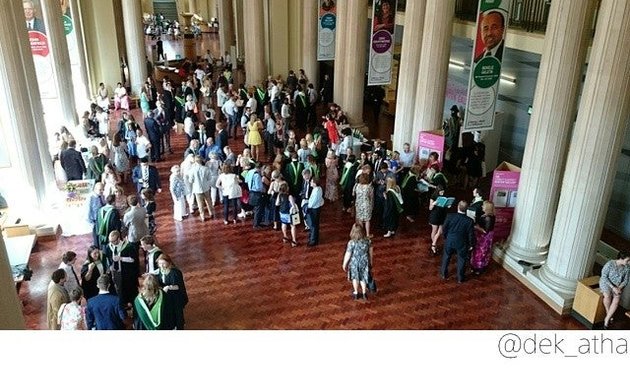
{"x": 19, "y": 251}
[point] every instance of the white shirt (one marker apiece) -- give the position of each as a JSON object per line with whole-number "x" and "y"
{"x": 189, "y": 126}
{"x": 285, "y": 112}
{"x": 252, "y": 104}
{"x": 273, "y": 92}
{"x": 229, "y": 185}
{"x": 222, "y": 97}
{"x": 229, "y": 107}
{"x": 142, "y": 143}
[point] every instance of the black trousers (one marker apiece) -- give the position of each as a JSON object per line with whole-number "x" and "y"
{"x": 462, "y": 258}
{"x": 312, "y": 218}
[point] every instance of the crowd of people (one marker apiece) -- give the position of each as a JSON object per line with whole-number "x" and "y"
{"x": 292, "y": 162}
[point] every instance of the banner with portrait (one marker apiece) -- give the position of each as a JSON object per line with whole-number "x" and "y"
{"x": 485, "y": 70}
{"x": 326, "y": 30}
{"x": 382, "y": 42}
{"x": 40, "y": 48}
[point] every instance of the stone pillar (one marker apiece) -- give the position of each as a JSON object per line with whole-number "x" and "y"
{"x": 598, "y": 135}
{"x": 51, "y": 13}
{"x": 134, "y": 41}
{"x": 21, "y": 117}
{"x": 433, "y": 68}
{"x": 192, "y": 6}
{"x": 408, "y": 73}
{"x": 353, "y": 80}
{"x": 11, "y": 317}
{"x": 255, "y": 66}
{"x": 340, "y": 52}
{"x": 81, "y": 91}
{"x": 309, "y": 41}
{"x": 226, "y": 27}
{"x": 559, "y": 80}
{"x": 238, "y": 6}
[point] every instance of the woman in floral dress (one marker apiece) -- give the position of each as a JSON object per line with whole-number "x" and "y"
{"x": 332, "y": 177}
{"x": 364, "y": 201}
{"x": 357, "y": 261}
{"x": 484, "y": 233}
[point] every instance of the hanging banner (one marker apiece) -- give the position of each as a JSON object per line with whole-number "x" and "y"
{"x": 40, "y": 48}
{"x": 326, "y": 30}
{"x": 485, "y": 71}
{"x": 382, "y": 42}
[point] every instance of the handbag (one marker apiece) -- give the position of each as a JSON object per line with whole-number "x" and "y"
{"x": 371, "y": 283}
{"x": 295, "y": 218}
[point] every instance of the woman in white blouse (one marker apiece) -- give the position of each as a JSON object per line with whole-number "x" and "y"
{"x": 228, "y": 183}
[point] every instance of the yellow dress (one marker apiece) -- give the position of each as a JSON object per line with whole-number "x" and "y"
{"x": 254, "y": 137}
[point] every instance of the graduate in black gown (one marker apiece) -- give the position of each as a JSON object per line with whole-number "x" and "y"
{"x": 172, "y": 282}
{"x": 107, "y": 220}
{"x": 151, "y": 308}
{"x": 347, "y": 181}
{"x": 409, "y": 190}
{"x": 122, "y": 257}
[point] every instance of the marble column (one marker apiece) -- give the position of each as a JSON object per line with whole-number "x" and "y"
{"x": 433, "y": 67}
{"x": 408, "y": 72}
{"x": 238, "y": 6}
{"x": 353, "y": 80}
{"x": 602, "y": 119}
{"x": 21, "y": 118}
{"x": 82, "y": 90}
{"x": 51, "y": 13}
{"x": 192, "y": 6}
{"x": 255, "y": 66}
{"x": 309, "y": 41}
{"x": 226, "y": 26}
{"x": 11, "y": 317}
{"x": 134, "y": 41}
{"x": 555, "y": 103}
{"x": 340, "y": 52}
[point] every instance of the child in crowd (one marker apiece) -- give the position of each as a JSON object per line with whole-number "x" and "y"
{"x": 148, "y": 196}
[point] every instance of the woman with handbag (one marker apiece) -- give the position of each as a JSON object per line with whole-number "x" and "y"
{"x": 357, "y": 261}
{"x": 288, "y": 212}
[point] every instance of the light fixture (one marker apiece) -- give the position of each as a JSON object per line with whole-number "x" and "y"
{"x": 462, "y": 65}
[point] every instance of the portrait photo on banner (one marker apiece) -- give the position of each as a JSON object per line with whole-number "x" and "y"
{"x": 384, "y": 16}
{"x": 490, "y": 34}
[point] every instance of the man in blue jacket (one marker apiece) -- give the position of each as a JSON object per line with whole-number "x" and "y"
{"x": 104, "y": 311}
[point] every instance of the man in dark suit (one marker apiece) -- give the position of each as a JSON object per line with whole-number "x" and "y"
{"x": 72, "y": 162}
{"x": 32, "y": 23}
{"x": 492, "y": 29}
{"x": 146, "y": 176}
{"x": 104, "y": 311}
{"x": 459, "y": 236}
{"x": 154, "y": 133}
{"x": 222, "y": 136}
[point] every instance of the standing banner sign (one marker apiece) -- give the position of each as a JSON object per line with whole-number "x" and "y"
{"x": 40, "y": 48}
{"x": 326, "y": 30}
{"x": 485, "y": 71}
{"x": 382, "y": 42}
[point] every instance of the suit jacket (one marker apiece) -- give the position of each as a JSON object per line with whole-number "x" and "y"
{"x": 459, "y": 231}
{"x": 105, "y": 312}
{"x": 154, "y": 178}
{"x": 57, "y": 295}
{"x": 222, "y": 139}
{"x": 136, "y": 224}
{"x": 72, "y": 162}
{"x": 499, "y": 53}
{"x": 153, "y": 129}
{"x": 38, "y": 25}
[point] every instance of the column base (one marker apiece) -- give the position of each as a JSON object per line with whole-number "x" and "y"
{"x": 531, "y": 256}
{"x": 530, "y": 276}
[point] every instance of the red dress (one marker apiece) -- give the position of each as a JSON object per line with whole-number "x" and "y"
{"x": 333, "y": 134}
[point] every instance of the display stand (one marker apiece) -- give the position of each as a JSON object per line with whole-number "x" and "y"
{"x": 430, "y": 141}
{"x": 503, "y": 194}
